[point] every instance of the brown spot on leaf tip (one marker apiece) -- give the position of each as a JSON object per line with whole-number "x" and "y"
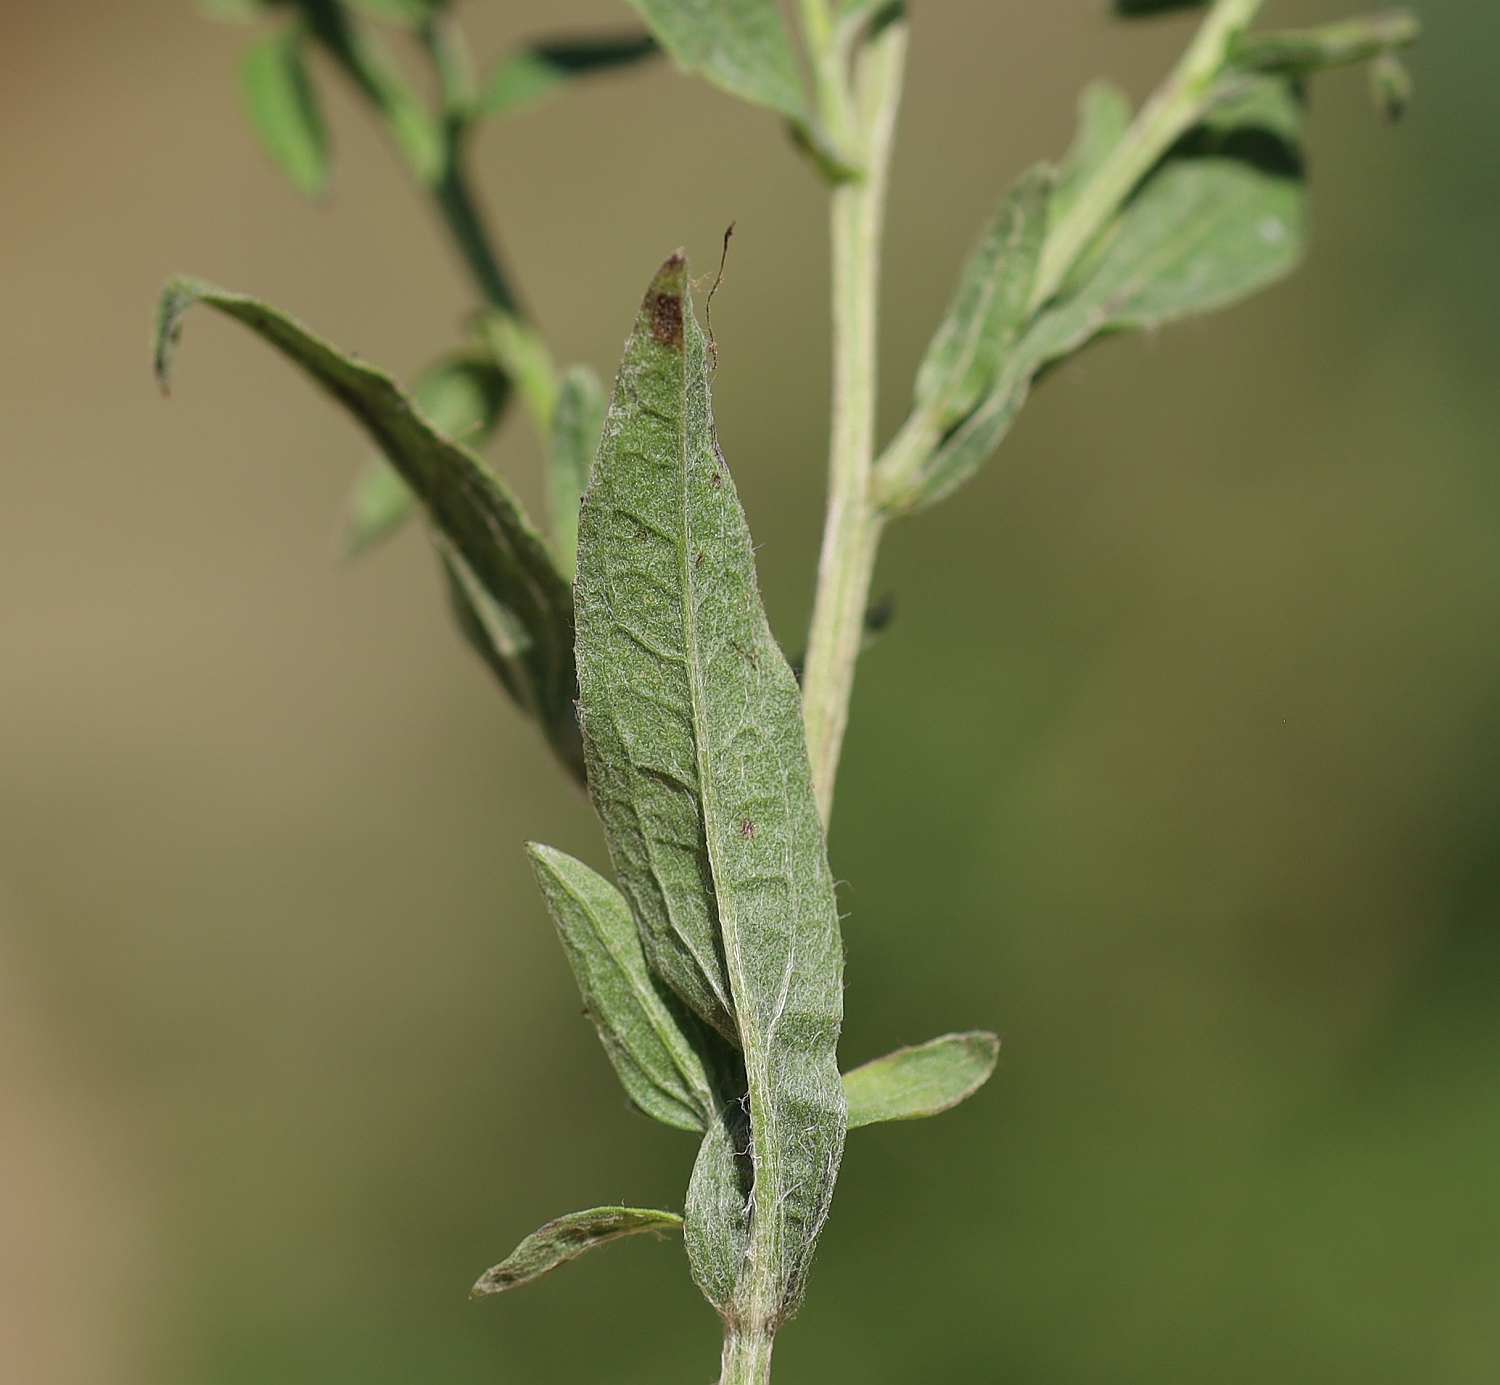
{"x": 666, "y": 320}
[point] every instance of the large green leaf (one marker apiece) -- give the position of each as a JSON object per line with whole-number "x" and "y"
{"x": 284, "y": 109}
{"x": 566, "y": 1239}
{"x": 921, "y": 1081}
{"x": 1218, "y": 219}
{"x": 642, "y": 1030}
{"x": 480, "y": 523}
{"x": 692, "y": 723}
{"x": 539, "y": 69}
{"x": 739, "y": 45}
{"x": 464, "y": 394}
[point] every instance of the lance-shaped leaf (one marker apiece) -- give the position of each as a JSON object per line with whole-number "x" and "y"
{"x": 1103, "y": 118}
{"x": 464, "y": 395}
{"x": 989, "y": 311}
{"x": 920, "y": 1081}
{"x": 719, "y": 1199}
{"x": 469, "y": 507}
{"x": 577, "y": 423}
{"x": 642, "y": 1030}
{"x": 539, "y": 69}
{"x": 1221, "y": 217}
{"x": 692, "y": 724}
{"x": 566, "y": 1239}
{"x": 739, "y": 45}
{"x": 349, "y": 43}
{"x": 283, "y": 109}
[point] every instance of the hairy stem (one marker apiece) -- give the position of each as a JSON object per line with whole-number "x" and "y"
{"x": 747, "y": 1357}
{"x": 1172, "y": 110}
{"x": 851, "y": 536}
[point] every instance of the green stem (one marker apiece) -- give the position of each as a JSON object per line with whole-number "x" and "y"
{"x": 747, "y": 1357}
{"x": 851, "y": 536}
{"x": 1171, "y": 111}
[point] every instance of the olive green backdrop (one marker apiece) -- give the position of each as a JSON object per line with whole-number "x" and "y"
{"x": 1181, "y": 765}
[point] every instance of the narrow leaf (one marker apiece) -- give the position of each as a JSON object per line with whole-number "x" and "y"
{"x": 1220, "y": 218}
{"x": 577, "y": 423}
{"x": 523, "y": 355}
{"x": 739, "y": 45}
{"x": 350, "y": 44}
{"x": 921, "y": 1081}
{"x": 697, "y": 763}
{"x": 464, "y": 395}
{"x": 284, "y": 109}
{"x": 566, "y": 1239}
{"x": 1103, "y": 118}
{"x": 466, "y": 504}
{"x": 1298, "y": 52}
{"x": 717, "y": 1229}
{"x": 989, "y": 310}
{"x": 541, "y": 68}
{"x": 642, "y": 1030}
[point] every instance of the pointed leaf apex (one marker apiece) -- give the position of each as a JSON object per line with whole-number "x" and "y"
{"x": 666, "y": 305}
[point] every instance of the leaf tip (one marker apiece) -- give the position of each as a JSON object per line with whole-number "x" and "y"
{"x": 664, "y": 310}
{"x": 179, "y": 295}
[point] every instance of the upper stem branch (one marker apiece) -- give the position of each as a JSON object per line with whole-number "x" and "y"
{"x": 851, "y": 536}
{"x": 1172, "y": 110}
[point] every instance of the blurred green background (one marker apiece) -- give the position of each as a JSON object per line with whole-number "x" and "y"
{"x": 1181, "y": 765}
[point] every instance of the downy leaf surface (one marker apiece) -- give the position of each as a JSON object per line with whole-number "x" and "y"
{"x": 739, "y": 45}
{"x": 692, "y": 725}
{"x": 283, "y": 109}
{"x": 1220, "y": 217}
{"x": 641, "y": 1027}
{"x": 464, "y": 395}
{"x": 989, "y": 311}
{"x": 566, "y": 1239}
{"x": 481, "y": 525}
{"x": 577, "y": 423}
{"x": 920, "y": 1081}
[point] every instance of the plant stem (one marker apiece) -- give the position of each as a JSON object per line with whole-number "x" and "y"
{"x": 851, "y": 536}
{"x": 747, "y": 1357}
{"x": 1170, "y": 112}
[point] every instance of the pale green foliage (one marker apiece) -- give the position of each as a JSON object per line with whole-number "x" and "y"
{"x": 483, "y": 527}
{"x": 1219, "y": 219}
{"x": 529, "y": 74}
{"x": 640, "y": 1025}
{"x": 284, "y": 109}
{"x": 712, "y": 967}
{"x": 921, "y": 1081}
{"x": 739, "y": 45}
{"x": 464, "y": 395}
{"x": 577, "y": 422}
{"x": 693, "y": 729}
{"x": 566, "y": 1239}
{"x": 989, "y": 311}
